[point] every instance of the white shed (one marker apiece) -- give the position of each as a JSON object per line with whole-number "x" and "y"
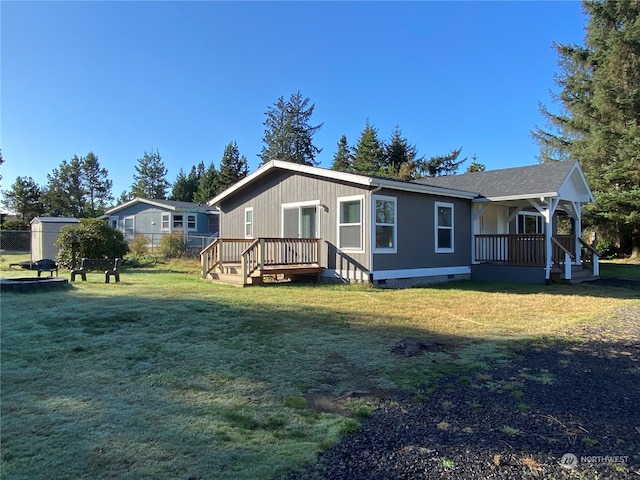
{"x": 44, "y": 232}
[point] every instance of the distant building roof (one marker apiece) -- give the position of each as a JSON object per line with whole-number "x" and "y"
{"x": 168, "y": 204}
{"x": 55, "y": 220}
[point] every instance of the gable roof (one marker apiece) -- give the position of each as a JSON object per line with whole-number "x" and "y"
{"x": 356, "y": 179}
{"x": 172, "y": 205}
{"x": 532, "y": 181}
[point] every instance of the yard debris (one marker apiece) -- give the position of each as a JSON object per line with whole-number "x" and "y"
{"x": 412, "y": 347}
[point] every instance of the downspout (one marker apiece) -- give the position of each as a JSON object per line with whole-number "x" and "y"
{"x": 371, "y": 232}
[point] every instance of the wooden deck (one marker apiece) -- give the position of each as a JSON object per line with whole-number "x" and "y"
{"x": 249, "y": 261}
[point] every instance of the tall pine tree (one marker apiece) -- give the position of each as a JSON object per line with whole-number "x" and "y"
{"x": 288, "y": 134}
{"x": 400, "y": 157}
{"x": 97, "y": 185}
{"x": 343, "y": 160}
{"x": 150, "y": 179}
{"x": 208, "y": 187}
{"x": 599, "y": 118}
{"x": 233, "y": 167}
{"x": 369, "y": 155}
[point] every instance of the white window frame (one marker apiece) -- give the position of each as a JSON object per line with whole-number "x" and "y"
{"x": 114, "y": 222}
{"x": 249, "y": 223}
{"x": 165, "y": 217}
{"x": 173, "y": 222}
{"x": 353, "y": 198}
{"x": 133, "y": 225}
{"x": 437, "y": 227}
{"x": 374, "y": 224}
{"x": 539, "y": 221}
{"x": 300, "y": 205}
{"x": 195, "y": 222}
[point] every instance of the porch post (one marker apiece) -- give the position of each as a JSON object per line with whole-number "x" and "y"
{"x": 548, "y": 217}
{"x": 578, "y": 231}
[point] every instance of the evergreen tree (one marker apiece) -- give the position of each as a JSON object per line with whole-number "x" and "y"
{"x": 288, "y": 135}
{"x": 24, "y": 198}
{"x": 208, "y": 187}
{"x": 66, "y": 193}
{"x": 599, "y": 118}
{"x": 186, "y": 186}
{"x": 369, "y": 157}
{"x": 342, "y": 160}
{"x": 475, "y": 166}
{"x": 440, "y": 165}
{"x": 150, "y": 179}
{"x": 97, "y": 185}
{"x": 233, "y": 167}
{"x": 400, "y": 157}
{"x": 1, "y": 162}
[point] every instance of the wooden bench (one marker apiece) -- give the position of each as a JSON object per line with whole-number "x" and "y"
{"x": 110, "y": 266}
{"x": 46, "y": 265}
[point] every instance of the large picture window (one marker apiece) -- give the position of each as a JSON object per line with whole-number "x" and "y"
{"x": 350, "y": 231}
{"x": 444, "y": 227}
{"x": 385, "y": 230}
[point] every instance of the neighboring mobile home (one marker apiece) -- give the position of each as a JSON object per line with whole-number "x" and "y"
{"x": 392, "y": 233}
{"x": 154, "y": 218}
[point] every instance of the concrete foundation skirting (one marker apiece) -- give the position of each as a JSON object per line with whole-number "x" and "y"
{"x": 507, "y": 273}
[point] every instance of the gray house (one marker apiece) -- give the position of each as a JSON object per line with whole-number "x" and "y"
{"x": 501, "y": 225}
{"x": 154, "y": 218}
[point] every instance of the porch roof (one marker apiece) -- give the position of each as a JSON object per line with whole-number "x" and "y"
{"x": 563, "y": 180}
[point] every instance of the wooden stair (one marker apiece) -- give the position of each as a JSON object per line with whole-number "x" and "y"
{"x": 579, "y": 274}
{"x": 232, "y": 274}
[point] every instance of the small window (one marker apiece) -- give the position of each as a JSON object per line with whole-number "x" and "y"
{"x": 444, "y": 227}
{"x": 530, "y": 223}
{"x": 129, "y": 226}
{"x": 385, "y": 230}
{"x": 191, "y": 222}
{"x": 113, "y": 221}
{"x": 165, "y": 221}
{"x": 178, "y": 221}
{"x": 350, "y": 223}
{"x": 248, "y": 222}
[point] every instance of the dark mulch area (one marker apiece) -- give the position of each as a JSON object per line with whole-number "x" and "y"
{"x": 574, "y": 396}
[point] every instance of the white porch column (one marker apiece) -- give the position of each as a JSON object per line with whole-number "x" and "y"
{"x": 577, "y": 208}
{"x": 547, "y": 213}
{"x": 478, "y": 210}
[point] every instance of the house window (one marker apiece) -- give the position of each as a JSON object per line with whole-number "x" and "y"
{"x": 384, "y": 224}
{"x": 444, "y": 227}
{"x": 350, "y": 223}
{"x": 164, "y": 221}
{"x": 530, "y": 223}
{"x": 191, "y": 222}
{"x": 113, "y": 221}
{"x": 129, "y": 226}
{"x": 248, "y": 222}
{"x": 178, "y": 221}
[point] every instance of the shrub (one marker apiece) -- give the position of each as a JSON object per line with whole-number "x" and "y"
{"x": 138, "y": 246}
{"x": 606, "y": 250}
{"x": 173, "y": 245}
{"x": 95, "y": 239}
{"x": 15, "y": 224}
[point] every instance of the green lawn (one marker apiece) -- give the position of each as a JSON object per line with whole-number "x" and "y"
{"x": 167, "y": 376}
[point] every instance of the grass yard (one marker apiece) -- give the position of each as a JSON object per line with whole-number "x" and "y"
{"x": 167, "y": 376}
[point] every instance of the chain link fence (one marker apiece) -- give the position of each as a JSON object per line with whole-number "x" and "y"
{"x": 19, "y": 241}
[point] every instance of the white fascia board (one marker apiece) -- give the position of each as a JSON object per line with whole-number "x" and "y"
{"x": 523, "y": 197}
{"x": 353, "y": 178}
{"x": 137, "y": 200}
{"x": 587, "y": 197}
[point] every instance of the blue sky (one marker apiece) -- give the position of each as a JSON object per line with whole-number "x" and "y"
{"x": 186, "y": 78}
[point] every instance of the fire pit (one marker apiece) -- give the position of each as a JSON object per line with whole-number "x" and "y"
{"x": 31, "y": 284}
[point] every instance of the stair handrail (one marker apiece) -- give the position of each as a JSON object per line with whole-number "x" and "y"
{"x": 594, "y": 257}
{"x": 249, "y": 260}
{"x": 568, "y": 256}
{"x": 210, "y": 257}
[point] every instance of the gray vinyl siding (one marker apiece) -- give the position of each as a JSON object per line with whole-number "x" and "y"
{"x": 267, "y": 196}
{"x": 416, "y": 236}
{"x": 146, "y": 216}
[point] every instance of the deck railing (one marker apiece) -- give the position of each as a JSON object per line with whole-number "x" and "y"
{"x": 520, "y": 249}
{"x": 265, "y": 252}
{"x": 221, "y": 252}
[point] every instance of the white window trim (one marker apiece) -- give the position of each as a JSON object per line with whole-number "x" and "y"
{"x": 362, "y": 223}
{"x": 375, "y": 249}
{"x": 299, "y": 205}
{"x": 525, "y": 214}
{"x": 437, "y": 227}
{"x": 245, "y": 223}
{"x": 195, "y": 221}
{"x": 124, "y": 225}
{"x": 116, "y": 219}
{"x": 168, "y": 217}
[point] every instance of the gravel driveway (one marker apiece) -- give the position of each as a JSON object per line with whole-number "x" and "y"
{"x": 558, "y": 409}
